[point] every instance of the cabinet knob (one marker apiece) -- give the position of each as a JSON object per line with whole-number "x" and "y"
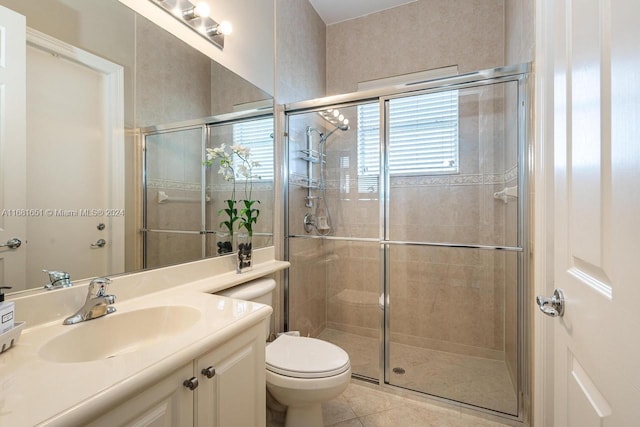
{"x": 209, "y": 372}
{"x": 191, "y": 383}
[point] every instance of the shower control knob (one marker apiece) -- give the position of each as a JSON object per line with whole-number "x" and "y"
{"x": 209, "y": 372}
{"x": 191, "y": 383}
{"x": 554, "y": 306}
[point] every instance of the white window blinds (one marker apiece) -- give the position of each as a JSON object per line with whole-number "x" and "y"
{"x": 257, "y": 135}
{"x": 423, "y": 135}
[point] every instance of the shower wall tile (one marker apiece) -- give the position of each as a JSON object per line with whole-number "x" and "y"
{"x": 176, "y": 248}
{"x": 307, "y": 292}
{"x": 172, "y": 81}
{"x": 229, "y": 91}
{"x": 419, "y": 36}
{"x": 300, "y": 46}
{"x": 519, "y": 31}
{"x": 353, "y": 287}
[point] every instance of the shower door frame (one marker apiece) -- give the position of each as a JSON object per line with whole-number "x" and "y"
{"x": 516, "y": 73}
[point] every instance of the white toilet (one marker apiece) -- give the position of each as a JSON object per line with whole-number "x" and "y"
{"x": 301, "y": 372}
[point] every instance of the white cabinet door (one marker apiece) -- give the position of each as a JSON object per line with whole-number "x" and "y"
{"x": 12, "y": 146}
{"x": 166, "y": 404}
{"x": 596, "y": 142}
{"x": 235, "y": 395}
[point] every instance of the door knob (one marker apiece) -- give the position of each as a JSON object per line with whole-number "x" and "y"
{"x": 553, "y": 306}
{"x": 99, "y": 244}
{"x": 12, "y": 243}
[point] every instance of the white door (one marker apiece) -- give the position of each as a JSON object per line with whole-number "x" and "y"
{"x": 12, "y": 147}
{"x": 74, "y": 146}
{"x": 596, "y": 230}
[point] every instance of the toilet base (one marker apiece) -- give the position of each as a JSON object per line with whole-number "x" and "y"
{"x": 304, "y": 416}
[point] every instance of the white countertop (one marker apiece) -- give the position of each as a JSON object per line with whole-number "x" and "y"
{"x": 34, "y": 391}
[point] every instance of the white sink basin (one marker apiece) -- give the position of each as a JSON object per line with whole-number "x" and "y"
{"x": 119, "y": 333}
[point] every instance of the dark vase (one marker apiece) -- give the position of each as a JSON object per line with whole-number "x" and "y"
{"x": 245, "y": 252}
{"x": 224, "y": 244}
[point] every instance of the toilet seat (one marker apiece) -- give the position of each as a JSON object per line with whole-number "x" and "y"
{"x": 301, "y": 357}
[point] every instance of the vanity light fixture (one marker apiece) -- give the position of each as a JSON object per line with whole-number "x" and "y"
{"x": 197, "y": 18}
{"x": 337, "y": 119}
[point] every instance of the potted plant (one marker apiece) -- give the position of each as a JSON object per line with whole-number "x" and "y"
{"x": 247, "y": 217}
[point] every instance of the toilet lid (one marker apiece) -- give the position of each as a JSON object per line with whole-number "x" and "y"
{"x": 302, "y": 357}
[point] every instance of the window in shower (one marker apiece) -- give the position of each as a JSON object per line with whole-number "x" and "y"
{"x": 257, "y": 135}
{"x": 423, "y": 130}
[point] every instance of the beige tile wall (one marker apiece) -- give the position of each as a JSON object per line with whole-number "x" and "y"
{"x": 172, "y": 79}
{"x": 300, "y": 46}
{"x": 229, "y": 91}
{"x": 307, "y": 279}
{"x": 418, "y": 36}
{"x": 301, "y": 75}
{"x": 519, "y": 27}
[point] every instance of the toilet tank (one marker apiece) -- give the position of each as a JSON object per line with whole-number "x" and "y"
{"x": 260, "y": 291}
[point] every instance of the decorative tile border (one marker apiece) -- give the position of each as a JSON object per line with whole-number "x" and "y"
{"x": 296, "y": 179}
{"x": 160, "y": 184}
{"x": 173, "y": 185}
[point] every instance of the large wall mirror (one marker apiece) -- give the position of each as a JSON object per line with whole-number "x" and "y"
{"x": 119, "y": 115}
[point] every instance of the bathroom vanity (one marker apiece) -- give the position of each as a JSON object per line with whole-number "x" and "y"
{"x": 172, "y": 353}
{"x": 224, "y": 387}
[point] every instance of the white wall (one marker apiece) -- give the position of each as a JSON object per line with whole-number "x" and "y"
{"x": 249, "y": 51}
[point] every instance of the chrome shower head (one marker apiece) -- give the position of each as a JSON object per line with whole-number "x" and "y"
{"x": 343, "y": 128}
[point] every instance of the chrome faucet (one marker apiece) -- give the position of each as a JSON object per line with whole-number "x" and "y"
{"x": 57, "y": 279}
{"x": 97, "y": 304}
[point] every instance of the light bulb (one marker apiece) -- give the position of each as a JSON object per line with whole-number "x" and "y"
{"x": 202, "y": 10}
{"x": 336, "y": 113}
{"x": 341, "y": 117}
{"x": 345, "y": 121}
{"x": 225, "y": 28}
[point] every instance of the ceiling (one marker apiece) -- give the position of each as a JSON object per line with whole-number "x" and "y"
{"x": 334, "y": 11}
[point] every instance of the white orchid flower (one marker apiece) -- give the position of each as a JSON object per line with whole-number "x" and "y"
{"x": 242, "y": 170}
{"x": 240, "y": 150}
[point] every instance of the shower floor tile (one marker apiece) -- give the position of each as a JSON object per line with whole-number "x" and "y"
{"x": 473, "y": 380}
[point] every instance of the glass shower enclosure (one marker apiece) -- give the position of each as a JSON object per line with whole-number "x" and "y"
{"x": 182, "y": 197}
{"x": 407, "y": 233}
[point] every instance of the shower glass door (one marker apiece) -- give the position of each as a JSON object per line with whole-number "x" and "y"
{"x": 173, "y": 214}
{"x": 406, "y": 233}
{"x": 451, "y": 244}
{"x": 333, "y": 231}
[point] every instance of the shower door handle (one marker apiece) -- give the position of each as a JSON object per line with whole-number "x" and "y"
{"x": 554, "y": 306}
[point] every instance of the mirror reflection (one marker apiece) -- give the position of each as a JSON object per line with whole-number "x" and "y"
{"x": 102, "y": 84}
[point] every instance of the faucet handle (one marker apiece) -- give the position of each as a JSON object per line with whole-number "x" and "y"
{"x": 101, "y": 284}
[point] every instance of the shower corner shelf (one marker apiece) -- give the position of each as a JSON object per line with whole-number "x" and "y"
{"x": 310, "y": 185}
{"x": 312, "y": 156}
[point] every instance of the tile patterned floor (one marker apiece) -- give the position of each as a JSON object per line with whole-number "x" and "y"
{"x": 364, "y": 405}
{"x": 474, "y": 380}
